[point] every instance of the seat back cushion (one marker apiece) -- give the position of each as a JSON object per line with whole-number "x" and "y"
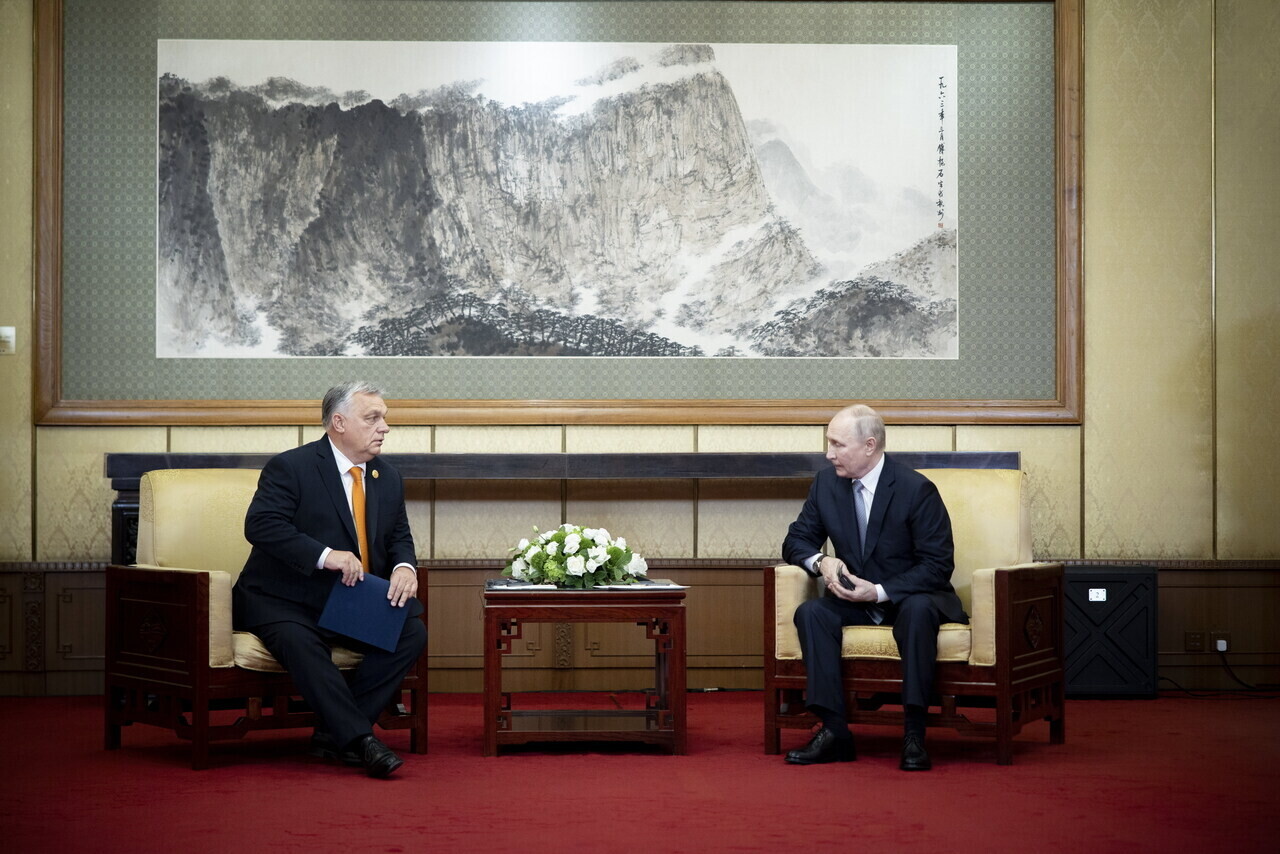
{"x": 989, "y": 521}
{"x": 194, "y": 518}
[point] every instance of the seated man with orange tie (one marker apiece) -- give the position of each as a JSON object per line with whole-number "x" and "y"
{"x": 327, "y": 513}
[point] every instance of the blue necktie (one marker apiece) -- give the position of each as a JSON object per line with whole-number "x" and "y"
{"x": 860, "y": 510}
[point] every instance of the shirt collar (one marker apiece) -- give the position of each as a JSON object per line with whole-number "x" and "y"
{"x": 871, "y": 479}
{"x": 344, "y": 464}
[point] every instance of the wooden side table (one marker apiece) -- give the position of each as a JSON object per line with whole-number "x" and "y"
{"x": 661, "y": 611}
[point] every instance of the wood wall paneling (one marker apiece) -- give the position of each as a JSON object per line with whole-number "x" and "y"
{"x": 1242, "y": 603}
{"x": 52, "y": 629}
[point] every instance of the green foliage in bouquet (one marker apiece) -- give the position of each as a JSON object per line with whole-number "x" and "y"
{"x": 575, "y": 557}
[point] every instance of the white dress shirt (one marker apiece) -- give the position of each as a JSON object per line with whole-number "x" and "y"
{"x": 348, "y": 482}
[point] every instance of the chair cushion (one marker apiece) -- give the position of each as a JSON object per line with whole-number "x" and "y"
{"x": 877, "y": 642}
{"x": 252, "y": 655}
{"x": 792, "y": 585}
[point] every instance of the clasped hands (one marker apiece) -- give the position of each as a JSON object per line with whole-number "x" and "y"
{"x": 404, "y": 582}
{"x": 860, "y": 590}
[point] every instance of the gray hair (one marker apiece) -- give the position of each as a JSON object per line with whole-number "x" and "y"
{"x": 865, "y": 423}
{"x": 338, "y": 398}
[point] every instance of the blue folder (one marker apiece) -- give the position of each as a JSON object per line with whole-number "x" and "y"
{"x": 363, "y": 612}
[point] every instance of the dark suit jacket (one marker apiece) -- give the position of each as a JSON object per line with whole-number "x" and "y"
{"x": 909, "y": 547}
{"x": 301, "y": 508}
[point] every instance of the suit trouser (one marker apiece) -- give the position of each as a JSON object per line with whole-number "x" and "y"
{"x": 820, "y": 623}
{"x": 347, "y": 711}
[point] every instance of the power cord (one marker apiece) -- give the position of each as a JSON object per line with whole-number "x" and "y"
{"x": 1252, "y": 692}
{"x": 1223, "y": 655}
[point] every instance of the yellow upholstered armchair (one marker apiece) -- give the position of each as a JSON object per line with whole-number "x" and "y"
{"x": 1009, "y": 659}
{"x": 172, "y": 659}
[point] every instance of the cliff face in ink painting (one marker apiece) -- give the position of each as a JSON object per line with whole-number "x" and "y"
{"x": 293, "y": 221}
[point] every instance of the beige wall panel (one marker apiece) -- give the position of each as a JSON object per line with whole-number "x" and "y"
{"x": 73, "y": 503}
{"x": 417, "y": 494}
{"x": 746, "y": 439}
{"x": 498, "y": 440}
{"x": 417, "y": 506}
{"x": 15, "y": 285}
{"x": 655, "y": 516}
{"x": 731, "y": 438}
{"x": 1148, "y": 383}
{"x": 484, "y": 519}
{"x": 237, "y": 440}
{"x": 911, "y": 437}
{"x": 610, "y": 439}
{"x": 1248, "y": 295}
{"x": 1051, "y": 459}
{"x": 747, "y": 519}
{"x": 401, "y": 440}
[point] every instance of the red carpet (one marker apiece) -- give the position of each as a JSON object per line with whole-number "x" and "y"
{"x": 1168, "y": 775}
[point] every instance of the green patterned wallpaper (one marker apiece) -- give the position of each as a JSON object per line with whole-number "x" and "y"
{"x": 1006, "y": 126}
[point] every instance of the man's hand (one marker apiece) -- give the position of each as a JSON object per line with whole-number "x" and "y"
{"x": 404, "y": 586}
{"x": 833, "y": 569}
{"x": 346, "y": 563}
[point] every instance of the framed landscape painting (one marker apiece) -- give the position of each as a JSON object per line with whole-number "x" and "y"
{"x": 730, "y": 212}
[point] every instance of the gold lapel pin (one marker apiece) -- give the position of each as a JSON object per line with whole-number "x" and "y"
{"x": 375, "y": 472}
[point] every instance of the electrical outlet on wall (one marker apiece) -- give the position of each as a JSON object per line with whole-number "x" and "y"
{"x": 1220, "y": 641}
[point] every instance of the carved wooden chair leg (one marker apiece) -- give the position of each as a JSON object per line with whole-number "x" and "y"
{"x": 418, "y": 736}
{"x": 200, "y": 737}
{"x": 111, "y": 725}
{"x": 772, "y": 739}
{"x": 1058, "y": 723}
{"x": 1004, "y": 731}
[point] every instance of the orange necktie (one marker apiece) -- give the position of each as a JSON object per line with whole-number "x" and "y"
{"x": 357, "y": 512}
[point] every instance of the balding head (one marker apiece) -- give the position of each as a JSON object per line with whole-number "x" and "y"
{"x": 855, "y": 440}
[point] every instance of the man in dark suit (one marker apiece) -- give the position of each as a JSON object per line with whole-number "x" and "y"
{"x": 302, "y": 526}
{"x": 892, "y": 566}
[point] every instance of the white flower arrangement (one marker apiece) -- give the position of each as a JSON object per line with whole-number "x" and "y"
{"x": 575, "y": 557}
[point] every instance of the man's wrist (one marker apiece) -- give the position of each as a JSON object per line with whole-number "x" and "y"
{"x": 407, "y": 566}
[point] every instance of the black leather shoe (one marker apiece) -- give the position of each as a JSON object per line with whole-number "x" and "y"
{"x": 823, "y": 747}
{"x": 914, "y": 756}
{"x": 324, "y": 747}
{"x": 377, "y": 758}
